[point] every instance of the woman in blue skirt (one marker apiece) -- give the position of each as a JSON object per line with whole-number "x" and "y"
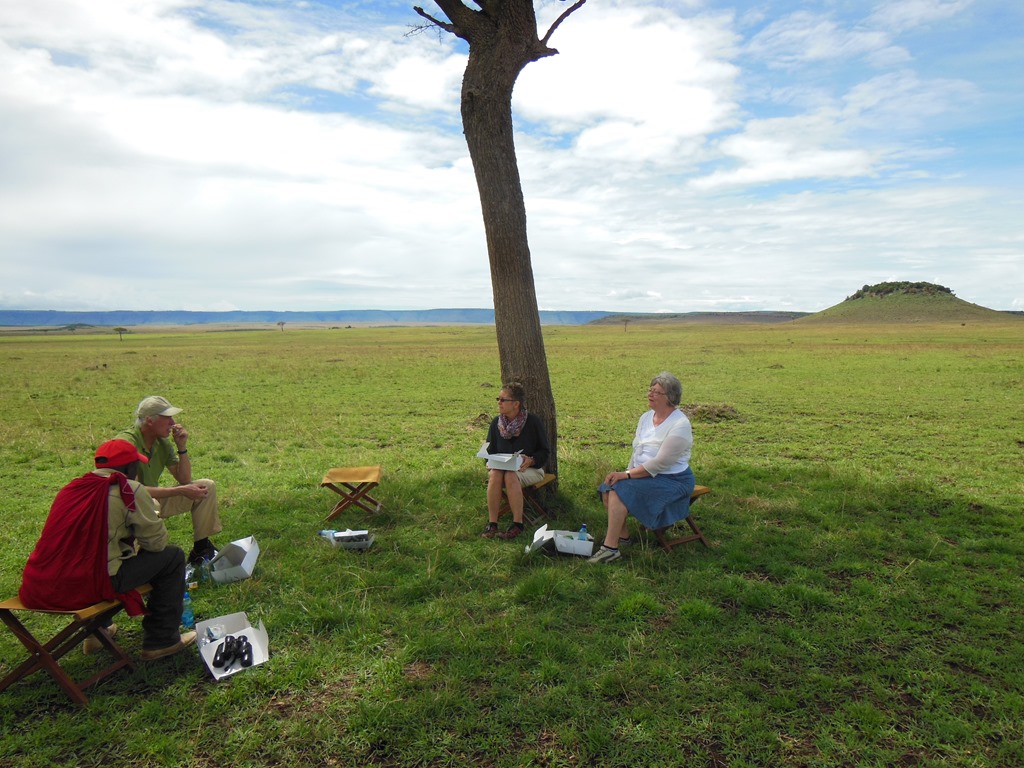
{"x": 656, "y": 487}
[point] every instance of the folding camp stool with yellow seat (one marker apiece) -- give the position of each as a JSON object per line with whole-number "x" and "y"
{"x": 85, "y": 622}
{"x": 353, "y": 484}
{"x": 531, "y": 499}
{"x": 661, "y": 534}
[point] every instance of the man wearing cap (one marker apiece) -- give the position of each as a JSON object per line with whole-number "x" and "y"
{"x": 102, "y": 540}
{"x": 165, "y": 443}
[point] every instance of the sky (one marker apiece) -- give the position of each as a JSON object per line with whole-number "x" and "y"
{"x": 687, "y": 156}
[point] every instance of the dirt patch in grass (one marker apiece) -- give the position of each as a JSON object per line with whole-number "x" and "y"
{"x": 483, "y": 420}
{"x": 710, "y": 412}
{"x": 311, "y": 704}
{"x": 759, "y": 503}
{"x": 418, "y": 670}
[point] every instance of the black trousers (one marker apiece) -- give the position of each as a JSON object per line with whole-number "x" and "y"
{"x": 165, "y": 572}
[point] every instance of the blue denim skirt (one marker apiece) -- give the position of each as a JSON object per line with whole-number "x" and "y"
{"x": 659, "y": 501}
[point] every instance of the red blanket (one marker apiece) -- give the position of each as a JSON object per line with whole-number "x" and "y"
{"x": 68, "y": 568}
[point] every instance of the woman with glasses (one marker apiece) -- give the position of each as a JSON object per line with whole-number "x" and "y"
{"x": 514, "y": 430}
{"x": 655, "y": 488}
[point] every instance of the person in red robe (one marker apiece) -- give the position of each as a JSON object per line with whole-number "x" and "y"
{"x": 103, "y": 540}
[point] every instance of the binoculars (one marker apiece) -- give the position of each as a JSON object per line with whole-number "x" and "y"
{"x": 231, "y": 650}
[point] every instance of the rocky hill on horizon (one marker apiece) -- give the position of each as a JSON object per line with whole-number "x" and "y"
{"x": 906, "y": 302}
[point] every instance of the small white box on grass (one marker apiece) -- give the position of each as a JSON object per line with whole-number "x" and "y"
{"x": 349, "y": 539}
{"x": 567, "y": 542}
{"x": 236, "y": 561}
{"x": 234, "y": 624}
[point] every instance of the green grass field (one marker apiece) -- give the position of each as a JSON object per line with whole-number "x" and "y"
{"x": 862, "y": 605}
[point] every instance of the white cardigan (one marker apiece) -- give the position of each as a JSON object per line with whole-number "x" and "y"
{"x": 662, "y": 448}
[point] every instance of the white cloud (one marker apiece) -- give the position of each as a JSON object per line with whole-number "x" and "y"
{"x": 235, "y": 155}
{"x": 633, "y": 83}
{"x": 423, "y": 81}
{"x": 803, "y": 38}
{"x": 764, "y": 159}
{"x": 900, "y": 15}
{"x": 901, "y": 100}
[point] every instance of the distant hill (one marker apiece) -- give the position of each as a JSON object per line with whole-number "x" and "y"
{"x": 28, "y": 318}
{"x": 882, "y": 303}
{"x": 716, "y": 318}
{"x": 905, "y": 302}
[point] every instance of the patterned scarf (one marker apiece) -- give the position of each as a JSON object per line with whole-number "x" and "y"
{"x": 510, "y": 428}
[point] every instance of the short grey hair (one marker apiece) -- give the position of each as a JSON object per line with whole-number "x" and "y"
{"x": 668, "y": 382}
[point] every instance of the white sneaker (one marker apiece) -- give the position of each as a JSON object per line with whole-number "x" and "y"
{"x": 605, "y": 555}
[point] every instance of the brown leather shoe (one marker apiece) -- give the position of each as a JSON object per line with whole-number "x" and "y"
{"x": 92, "y": 644}
{"x": 490, "y": 531}
{"x": 187, "y": 638}
{"x": 513, "y": 530}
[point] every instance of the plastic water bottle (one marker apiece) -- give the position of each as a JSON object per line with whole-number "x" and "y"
{"x": 205, "y": 570}
{"x": 188, "y": 618}
{"x": 583, "y": 533}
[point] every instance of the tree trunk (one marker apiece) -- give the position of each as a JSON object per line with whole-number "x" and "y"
{"x": 502, "y": 37}
{"x": 487, "y": 121}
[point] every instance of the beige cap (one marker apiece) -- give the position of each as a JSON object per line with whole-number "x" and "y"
{"x": 156, "y": 406}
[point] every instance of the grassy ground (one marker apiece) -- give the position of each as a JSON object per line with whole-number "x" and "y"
{"x": 861, "y": 605}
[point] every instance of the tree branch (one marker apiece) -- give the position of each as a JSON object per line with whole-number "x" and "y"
{"x": 459, "y": 14}
{"x": 464, "y": 21}
{"x": 436, "y": 22}
{"x": 565, "y": 14}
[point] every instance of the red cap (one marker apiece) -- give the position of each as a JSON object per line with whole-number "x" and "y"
{"x": 118, "y": 453}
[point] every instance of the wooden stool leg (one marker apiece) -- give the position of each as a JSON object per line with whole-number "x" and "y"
{"x": 38, "y": 655}
{"x": 534, "y": 502}
{"x": 357, "y": 496}
{"x": 697, "y": 531}
{"x": 46, "y": 655}
{"x": 663, "y": 539}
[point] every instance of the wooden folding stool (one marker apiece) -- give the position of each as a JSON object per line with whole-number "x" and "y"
{"x": 355, "y": 486}
{"x": 696, "y": 535}
{"x": 91, "y": 620}
{"x": 531, "y": 499}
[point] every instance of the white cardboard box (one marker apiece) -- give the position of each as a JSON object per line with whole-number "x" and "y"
{"x": 567, "y": 542}
{"x": 236, "y": 561}
{"x": 345, "y": 539}
{"x": 506, "y": 461}
{"x": 233, "y": 624}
